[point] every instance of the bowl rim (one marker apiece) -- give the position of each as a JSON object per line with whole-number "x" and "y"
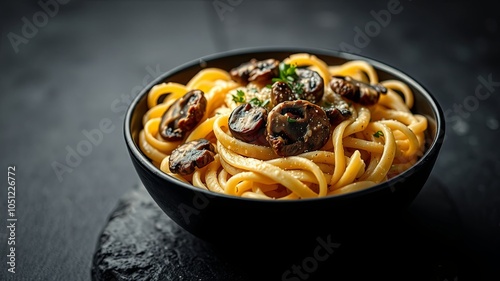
{"x": 433, "y": 148}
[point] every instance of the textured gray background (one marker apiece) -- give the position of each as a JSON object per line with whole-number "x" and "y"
{"x": 92, "y": 54}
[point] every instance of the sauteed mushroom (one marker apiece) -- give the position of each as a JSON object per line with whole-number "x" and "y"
{"x": 260, "y": 72}
{"x": 313, "y": 84}
{"x": 183, "y": 115}
{"x": 337, "y": 110}
{"x": 336, "y": 114}
{"x": 280, "y": 92}
{"x": 196, "y": 153}
{"x": 357, "y": 91}
{"x": 248, "y": 124}
{"x": 294, "y": 127}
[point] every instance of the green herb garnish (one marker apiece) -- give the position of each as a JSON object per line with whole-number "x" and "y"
{"x": 288, "y": 75}
{"x": 287, "y": 70}
{"x": 256, "y": 102}
{"x": 378, "y": 134}
{"x": 291, "y": 120}
{"x": 240, "y": 97}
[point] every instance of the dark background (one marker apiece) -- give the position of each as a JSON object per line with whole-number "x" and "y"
{"x": 92, "y": 56}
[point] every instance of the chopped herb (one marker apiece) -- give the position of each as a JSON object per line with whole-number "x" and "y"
{"x": 257, "y": 102}
{"x": 290, "y": 120}
{"x": 378, "y": 134}
{"x": 289, "y": 76}
{"x": 269, "y": 86}
{"x": 240, "y": 97}
{"x": 287, "y": 70}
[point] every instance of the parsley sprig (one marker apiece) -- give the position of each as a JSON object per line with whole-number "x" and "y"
{"x": 289, "y": 75}
{"x": 239, "y": 97}
{"x": 378, "y": 134}
{"x": 256, "y": 102}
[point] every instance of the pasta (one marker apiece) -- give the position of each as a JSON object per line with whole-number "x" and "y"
{"x": 370, "y": 135}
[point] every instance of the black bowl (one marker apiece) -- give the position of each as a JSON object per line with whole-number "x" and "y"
{"x": 222, "y": 219}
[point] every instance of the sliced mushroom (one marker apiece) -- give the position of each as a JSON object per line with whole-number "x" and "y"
{"x": 336, "y": 115}
{"x": 313, "y": 85}
{"x": 357, "y": 91}
{"x": 185, "y": 158}
{"x": 337, "y": 111}
{"x": 248, "y": 124}
{"x": 260, "y": 72}
{"x": 183, "y": 115}
{"x": 280, "y": 92}
{"x": 294, "y": 127}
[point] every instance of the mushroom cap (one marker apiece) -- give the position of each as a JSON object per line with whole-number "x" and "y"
{"x": 183, "y": 115}
{"x": 294, "y": 127}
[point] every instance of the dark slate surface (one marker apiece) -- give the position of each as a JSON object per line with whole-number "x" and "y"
{"x": 85, "y": 62}
{"x": 141, "y": 243}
